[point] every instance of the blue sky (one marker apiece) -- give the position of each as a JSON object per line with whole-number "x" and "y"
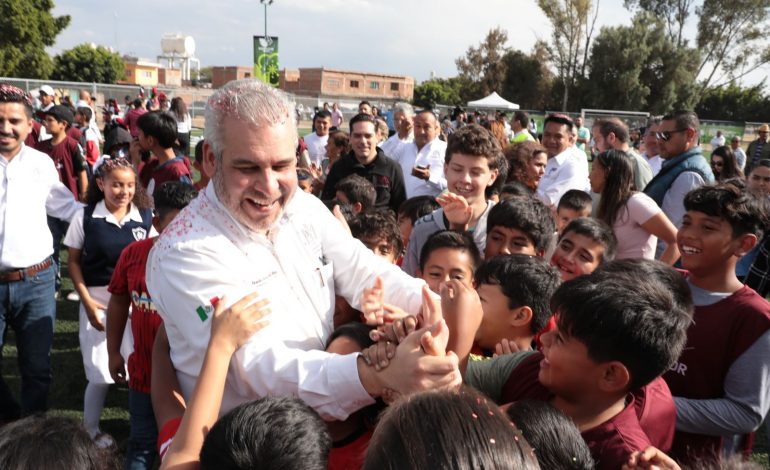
{"x": 414, "y": 37}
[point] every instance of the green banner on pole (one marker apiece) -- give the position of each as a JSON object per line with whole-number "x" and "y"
{"x": 266, "y": 59}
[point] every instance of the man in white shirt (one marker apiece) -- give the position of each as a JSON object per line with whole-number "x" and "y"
{"x": 316, "y": 141}
{"x": 567, "y": 167}
{"x": 718, "y": 140}
{"x": 29, "y": 190}
{"x": 651, "y": 148}
{"x": 252, "y": 231}
{"x": 422, "y": 161}
{"x": 403, "y": 117}
{"x": 740, "y": 155}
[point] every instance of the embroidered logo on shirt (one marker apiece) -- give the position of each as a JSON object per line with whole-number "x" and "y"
{"x": 139, "y": 233}
{"x": 205, "y": 311}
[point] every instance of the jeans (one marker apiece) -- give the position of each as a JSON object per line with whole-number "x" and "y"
{"x": 140, "y": 454}
{"x": 58, "y": 230}
{"x": 29, "y": 308}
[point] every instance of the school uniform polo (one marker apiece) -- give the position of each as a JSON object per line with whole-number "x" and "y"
{"x": 68, "y": 157}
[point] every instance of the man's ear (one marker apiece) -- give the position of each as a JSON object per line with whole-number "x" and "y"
{"x": 521, "y": 316}
{"x": 209, "y": 159}
{"x": 615, "y": 377}
{"x": 358, "y": 208}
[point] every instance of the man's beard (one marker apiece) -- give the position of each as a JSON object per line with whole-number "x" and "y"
{"x": 234, "y": 207}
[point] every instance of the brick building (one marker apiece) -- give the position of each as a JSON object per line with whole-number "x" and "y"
{"x": 222, "y": 75}
{"x": 345, "y": 83}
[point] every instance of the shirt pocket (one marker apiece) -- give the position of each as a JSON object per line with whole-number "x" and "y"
{"x": 325, "y": 298}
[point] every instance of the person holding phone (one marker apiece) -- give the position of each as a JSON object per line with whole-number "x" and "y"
{"x": 423, "y": 159}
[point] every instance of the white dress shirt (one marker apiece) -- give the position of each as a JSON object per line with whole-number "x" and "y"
{"x": 392, "y": 146}
{"x": 29, "y": 190}
{"x": 306, "y": 258}
{"x": 655, "y": 163}
{"x": 430, "y": 155}
{"x": 316, "y": 147}
{"x": 568, "y": 170}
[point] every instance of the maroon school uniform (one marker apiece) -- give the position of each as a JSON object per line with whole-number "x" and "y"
{"x": 173, "y": 170}
{"x": 128, "y": 278}
{"x": 68, "y": 158}
{"x": 34, "y": 135}
{"x": 349, "y": 455}
{"x": 74, "y": 133}
{"x": 648, "y": 419}
{"x": 719, "y": 334}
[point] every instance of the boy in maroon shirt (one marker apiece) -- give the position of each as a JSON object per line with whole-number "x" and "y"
{"x": 157, "y": 134}
{"x": 720, "y": 381}
{"x": 617, "y": 330}
{"x": 128, "y": 289}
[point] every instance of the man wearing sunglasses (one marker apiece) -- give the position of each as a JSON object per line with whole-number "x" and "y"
{"x": 683, "y": 168}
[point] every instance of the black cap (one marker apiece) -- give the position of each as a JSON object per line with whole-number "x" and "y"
{"x": 115, "y": 137}
{"x": 61, "y": 113}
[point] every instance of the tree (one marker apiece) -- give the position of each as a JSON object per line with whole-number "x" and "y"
{"x": 527, "y": 79}
{"x": 436, "y": 91}
{"x": 88, "y": 63}
{"x": 484, "y": 64}
{"x": 571, "y": 39}
{"x": 734, "y": 103}
{"x": 639, "y": 67}
{"x": 27, "y": 27}
{"x": 673, "y": 12}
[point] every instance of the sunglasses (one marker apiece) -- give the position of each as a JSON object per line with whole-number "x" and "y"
{"x": 665, "y": 136}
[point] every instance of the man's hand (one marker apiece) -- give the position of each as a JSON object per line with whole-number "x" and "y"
{"x": 421, "y": 172}
{"x": 456, "y": 209}
{"x": 117, "y": 368}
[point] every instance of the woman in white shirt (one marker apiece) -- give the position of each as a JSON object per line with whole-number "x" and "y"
{"x": 178, "y": 110}
{"x": 634, "y": 217}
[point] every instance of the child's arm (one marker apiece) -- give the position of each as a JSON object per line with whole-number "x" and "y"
{"x": 76, "y": 273}
{"x": 117, "y": 317}
{"x": 461, "y": 308}
{"x": 165, "y": 392}
{"x": 661, "y": 227}
{"x": 652, "y": 458}
{"x": 457, "y": 211}
{"x": 83, "y": 184}
{"x": 230, "y": 329}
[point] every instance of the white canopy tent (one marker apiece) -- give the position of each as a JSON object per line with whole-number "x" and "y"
{"x": 493, "y": 101}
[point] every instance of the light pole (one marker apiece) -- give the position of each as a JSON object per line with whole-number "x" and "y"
{"x": 267, "y": 38}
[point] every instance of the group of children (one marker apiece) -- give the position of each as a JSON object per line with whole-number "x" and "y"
{"x": 571, "y": 358}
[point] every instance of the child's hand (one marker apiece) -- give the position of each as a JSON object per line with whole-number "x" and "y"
{"x": 650, "y": 458}
{"x": 456, "y": 209}
{"x": 92, "y": 311}
{"x": 373, "y": 304}
{"x": 461, "y": 306}
{"x": 395, "y": 331}
{"x": 117, "y": 367}
{"x": 507, "y": 346}
{"x": 231, "y": 328}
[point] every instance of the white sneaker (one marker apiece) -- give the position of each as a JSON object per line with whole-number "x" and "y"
{"x": 73, "y": 296}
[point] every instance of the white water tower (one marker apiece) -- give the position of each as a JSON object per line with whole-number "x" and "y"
{"x": 179, "y": 49}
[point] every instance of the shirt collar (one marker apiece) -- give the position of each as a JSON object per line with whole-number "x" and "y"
{"x": 101, "y": 212}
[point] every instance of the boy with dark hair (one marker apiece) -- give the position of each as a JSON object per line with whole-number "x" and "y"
{"x": 515, "y": 292}
{"x": 412, "y": 210}
{"x": 448, "y": 255}
{"x": 472, "y": 163}
{"x": 89, "y": 141}
{"x": 129, "y": 291}
{"x": 618, "y": 329}
{"x": 720, "y": 381}
{"x": 378, "y": 230}
{"x": 203, "y": 179}
{"x": 519, "y": 225}
{"x": 584, "y": 245}
{"x": 574, "y": 204}
{"x": 157, "y": 134}
{"x": 356, "y": 191}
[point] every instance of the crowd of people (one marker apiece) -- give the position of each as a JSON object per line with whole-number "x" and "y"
{"x": 467, "y": 292}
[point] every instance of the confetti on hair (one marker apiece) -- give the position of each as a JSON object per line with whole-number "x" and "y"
{"x": 475, "y": 416}
{"x": 12, "y": 94}
{"x": 491, "y": 441}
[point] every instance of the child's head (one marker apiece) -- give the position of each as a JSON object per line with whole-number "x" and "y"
{"x": 411, "y": 211}
{"x": 515, "y": 293}
{"x": 305, "y": 180}
{"x": 269, "y": 433}
{"x": 583, "y": 246}
{"x": 758, "y": 180}
{"x": 617, "y": 329}
{"x": 378, "y": 230}
{"x": 472, "y": 162}
{"x": 115, "y": 182}
{"x": 83, "y": 116}
{"x": 722, "y": 223}
{"x": 170, "y": 198}
{"x": 447, "y": 429}
{"x": 519, "y": 225}
{"x": 58, "y": 119}
{"x": 356, "y": 191}
{"x": 514, "y": 189}
{"x": 37, "y": 441}
{"x": 448, "y": 255}
{"x": 552, "y": 434}
{"x": 572, "y": 205}
{"x": 156, "y": 128}
{"x": 198, "y": 162}
{"x": 349, "y": 338}
{"x": 337, "y": 145}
